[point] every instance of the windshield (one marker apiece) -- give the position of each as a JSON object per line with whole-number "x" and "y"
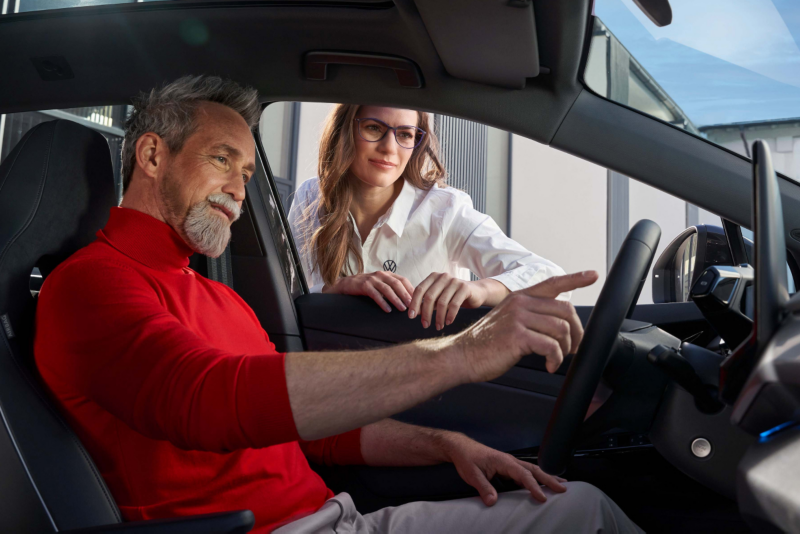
{"x": 728, "y": 70}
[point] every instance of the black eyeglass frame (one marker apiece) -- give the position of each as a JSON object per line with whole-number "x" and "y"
{"x": 421, "y": 137}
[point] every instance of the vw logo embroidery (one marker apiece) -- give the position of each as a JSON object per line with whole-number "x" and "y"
{"x": 389, "y": 265}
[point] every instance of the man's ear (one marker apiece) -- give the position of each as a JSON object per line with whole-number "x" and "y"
{"x": 151, "y": 154}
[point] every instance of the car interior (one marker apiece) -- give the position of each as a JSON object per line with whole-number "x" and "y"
{"x": 691, "y": 437}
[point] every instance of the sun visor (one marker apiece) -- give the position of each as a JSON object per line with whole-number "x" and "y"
{"x": 485, "y": 41}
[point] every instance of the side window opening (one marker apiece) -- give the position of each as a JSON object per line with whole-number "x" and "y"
{"x": 560, "y": 207}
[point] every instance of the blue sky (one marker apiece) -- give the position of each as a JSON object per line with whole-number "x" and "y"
{"x": 721, "y": 60}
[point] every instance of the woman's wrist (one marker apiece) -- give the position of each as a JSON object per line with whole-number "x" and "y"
{"x": 491, "y": 291}
{"x": 331, "y": 288}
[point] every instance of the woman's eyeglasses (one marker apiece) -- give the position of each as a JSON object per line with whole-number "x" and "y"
{"x": 373, "y": 130}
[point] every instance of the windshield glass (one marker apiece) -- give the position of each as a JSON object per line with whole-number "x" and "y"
{"x": 726, "y": 70}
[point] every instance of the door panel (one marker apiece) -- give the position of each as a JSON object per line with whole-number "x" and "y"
{"x": 509, "y": 413}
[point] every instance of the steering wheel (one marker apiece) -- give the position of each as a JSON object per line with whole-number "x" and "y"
{"x": 771, "y": 280}
{"x": 770, "y": 246}
{"x": 622, "y": 287}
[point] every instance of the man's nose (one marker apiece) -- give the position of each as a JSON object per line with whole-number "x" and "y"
{"x": 236, "y": 188}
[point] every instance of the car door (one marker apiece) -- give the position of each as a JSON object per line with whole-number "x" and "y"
{"x": 509, "y": 413}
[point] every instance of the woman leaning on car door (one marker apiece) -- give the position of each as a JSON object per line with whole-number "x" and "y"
{"x": 379, "y": 221}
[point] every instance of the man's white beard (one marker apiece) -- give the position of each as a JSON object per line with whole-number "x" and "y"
{"x": 207, "y": 232}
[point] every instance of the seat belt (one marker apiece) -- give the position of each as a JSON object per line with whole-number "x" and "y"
{"x": 220, "y": 269}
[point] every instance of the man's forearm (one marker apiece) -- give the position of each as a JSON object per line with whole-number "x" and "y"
{"x": 333, "y": 392}
{"x": 393, "y": 443}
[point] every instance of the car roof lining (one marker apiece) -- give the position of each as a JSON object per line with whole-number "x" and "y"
{"x": 116, "y": 52}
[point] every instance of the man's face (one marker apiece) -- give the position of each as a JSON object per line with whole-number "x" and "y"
{"x": 203, "y": 187}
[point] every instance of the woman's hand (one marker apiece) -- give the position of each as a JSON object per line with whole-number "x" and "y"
{"x": 380, "y": 286}
{"x": 446, "y": 294}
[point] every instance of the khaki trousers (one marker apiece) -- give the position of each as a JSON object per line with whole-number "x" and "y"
{"x": 582, "y": 508}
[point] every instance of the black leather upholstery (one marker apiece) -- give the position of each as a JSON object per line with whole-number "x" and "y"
{"x": 56, "y": 189}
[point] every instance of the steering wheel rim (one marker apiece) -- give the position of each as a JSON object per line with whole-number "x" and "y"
{"x": 771, "y": 280}
{"x": 619, "y": 291}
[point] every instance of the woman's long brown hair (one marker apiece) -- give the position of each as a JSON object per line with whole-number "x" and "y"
{"x": 332, "y": 242}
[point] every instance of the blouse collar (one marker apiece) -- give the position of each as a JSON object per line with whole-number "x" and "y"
{"x": 398, "y": 214}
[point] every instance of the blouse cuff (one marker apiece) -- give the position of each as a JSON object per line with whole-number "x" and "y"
{"x": 515, "y": 283}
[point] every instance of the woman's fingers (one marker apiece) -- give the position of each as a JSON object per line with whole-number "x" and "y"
{"x": 406, "y": 284}
{"x": 396, "y": 283}
{"x": 444, "y": 301}
{"x": 430, "y": 297}
{"x": 419, "y": 292}
{"x": 389, "y": 294}
{"x": 456, "y": 302}
{"x": 376, "y": 295}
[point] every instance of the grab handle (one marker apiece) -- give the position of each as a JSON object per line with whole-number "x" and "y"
{"x": 408, "y": 74}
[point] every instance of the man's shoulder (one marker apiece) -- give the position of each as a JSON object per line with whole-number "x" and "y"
{"x": 93, "y": 264}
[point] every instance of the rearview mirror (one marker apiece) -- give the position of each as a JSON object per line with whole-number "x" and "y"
{"x": 688, "y": 255}
{"x": 659, "y": 11}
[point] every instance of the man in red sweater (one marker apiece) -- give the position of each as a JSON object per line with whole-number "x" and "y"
{"x": 184, "y": 404}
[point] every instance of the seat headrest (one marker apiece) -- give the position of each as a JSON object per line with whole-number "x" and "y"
{"x": 56, "y": 190}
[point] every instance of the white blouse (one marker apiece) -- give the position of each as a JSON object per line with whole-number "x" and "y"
{"x": 425, "y": 232}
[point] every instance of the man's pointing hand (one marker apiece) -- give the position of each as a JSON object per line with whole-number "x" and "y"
{"x": 527, "y": 321}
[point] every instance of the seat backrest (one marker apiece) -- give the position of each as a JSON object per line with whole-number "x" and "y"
{"x": 56, "y": 190}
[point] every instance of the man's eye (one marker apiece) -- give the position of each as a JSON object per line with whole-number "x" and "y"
{"x": 246, "y": 178}
{"x": 222, "y": 159}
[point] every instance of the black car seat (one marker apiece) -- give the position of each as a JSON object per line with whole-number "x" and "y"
{"x": 56, "y": 189}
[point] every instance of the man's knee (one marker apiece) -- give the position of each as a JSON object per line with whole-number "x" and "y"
{"x": 591, "y": 508}
{"x": 584, "y": 490}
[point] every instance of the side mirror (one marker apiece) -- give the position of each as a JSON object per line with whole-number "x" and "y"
{"x": 685, "y": 258}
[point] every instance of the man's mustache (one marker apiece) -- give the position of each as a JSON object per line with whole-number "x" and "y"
{"x": 227, "y": 202}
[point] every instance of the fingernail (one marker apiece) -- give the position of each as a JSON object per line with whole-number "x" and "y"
{"x": 402, "y": 308}
{"x": 450, "y": 321}
{"x": 439, "y": 327}
{"x": 412, "y": 314}
{"x": 408, "y": 301}
{"x": 424, "y": 324}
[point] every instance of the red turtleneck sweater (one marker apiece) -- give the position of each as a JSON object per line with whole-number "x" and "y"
{"x": 172, "y": 385}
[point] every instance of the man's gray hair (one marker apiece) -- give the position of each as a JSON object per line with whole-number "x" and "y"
{"x": 170, "y": 110}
